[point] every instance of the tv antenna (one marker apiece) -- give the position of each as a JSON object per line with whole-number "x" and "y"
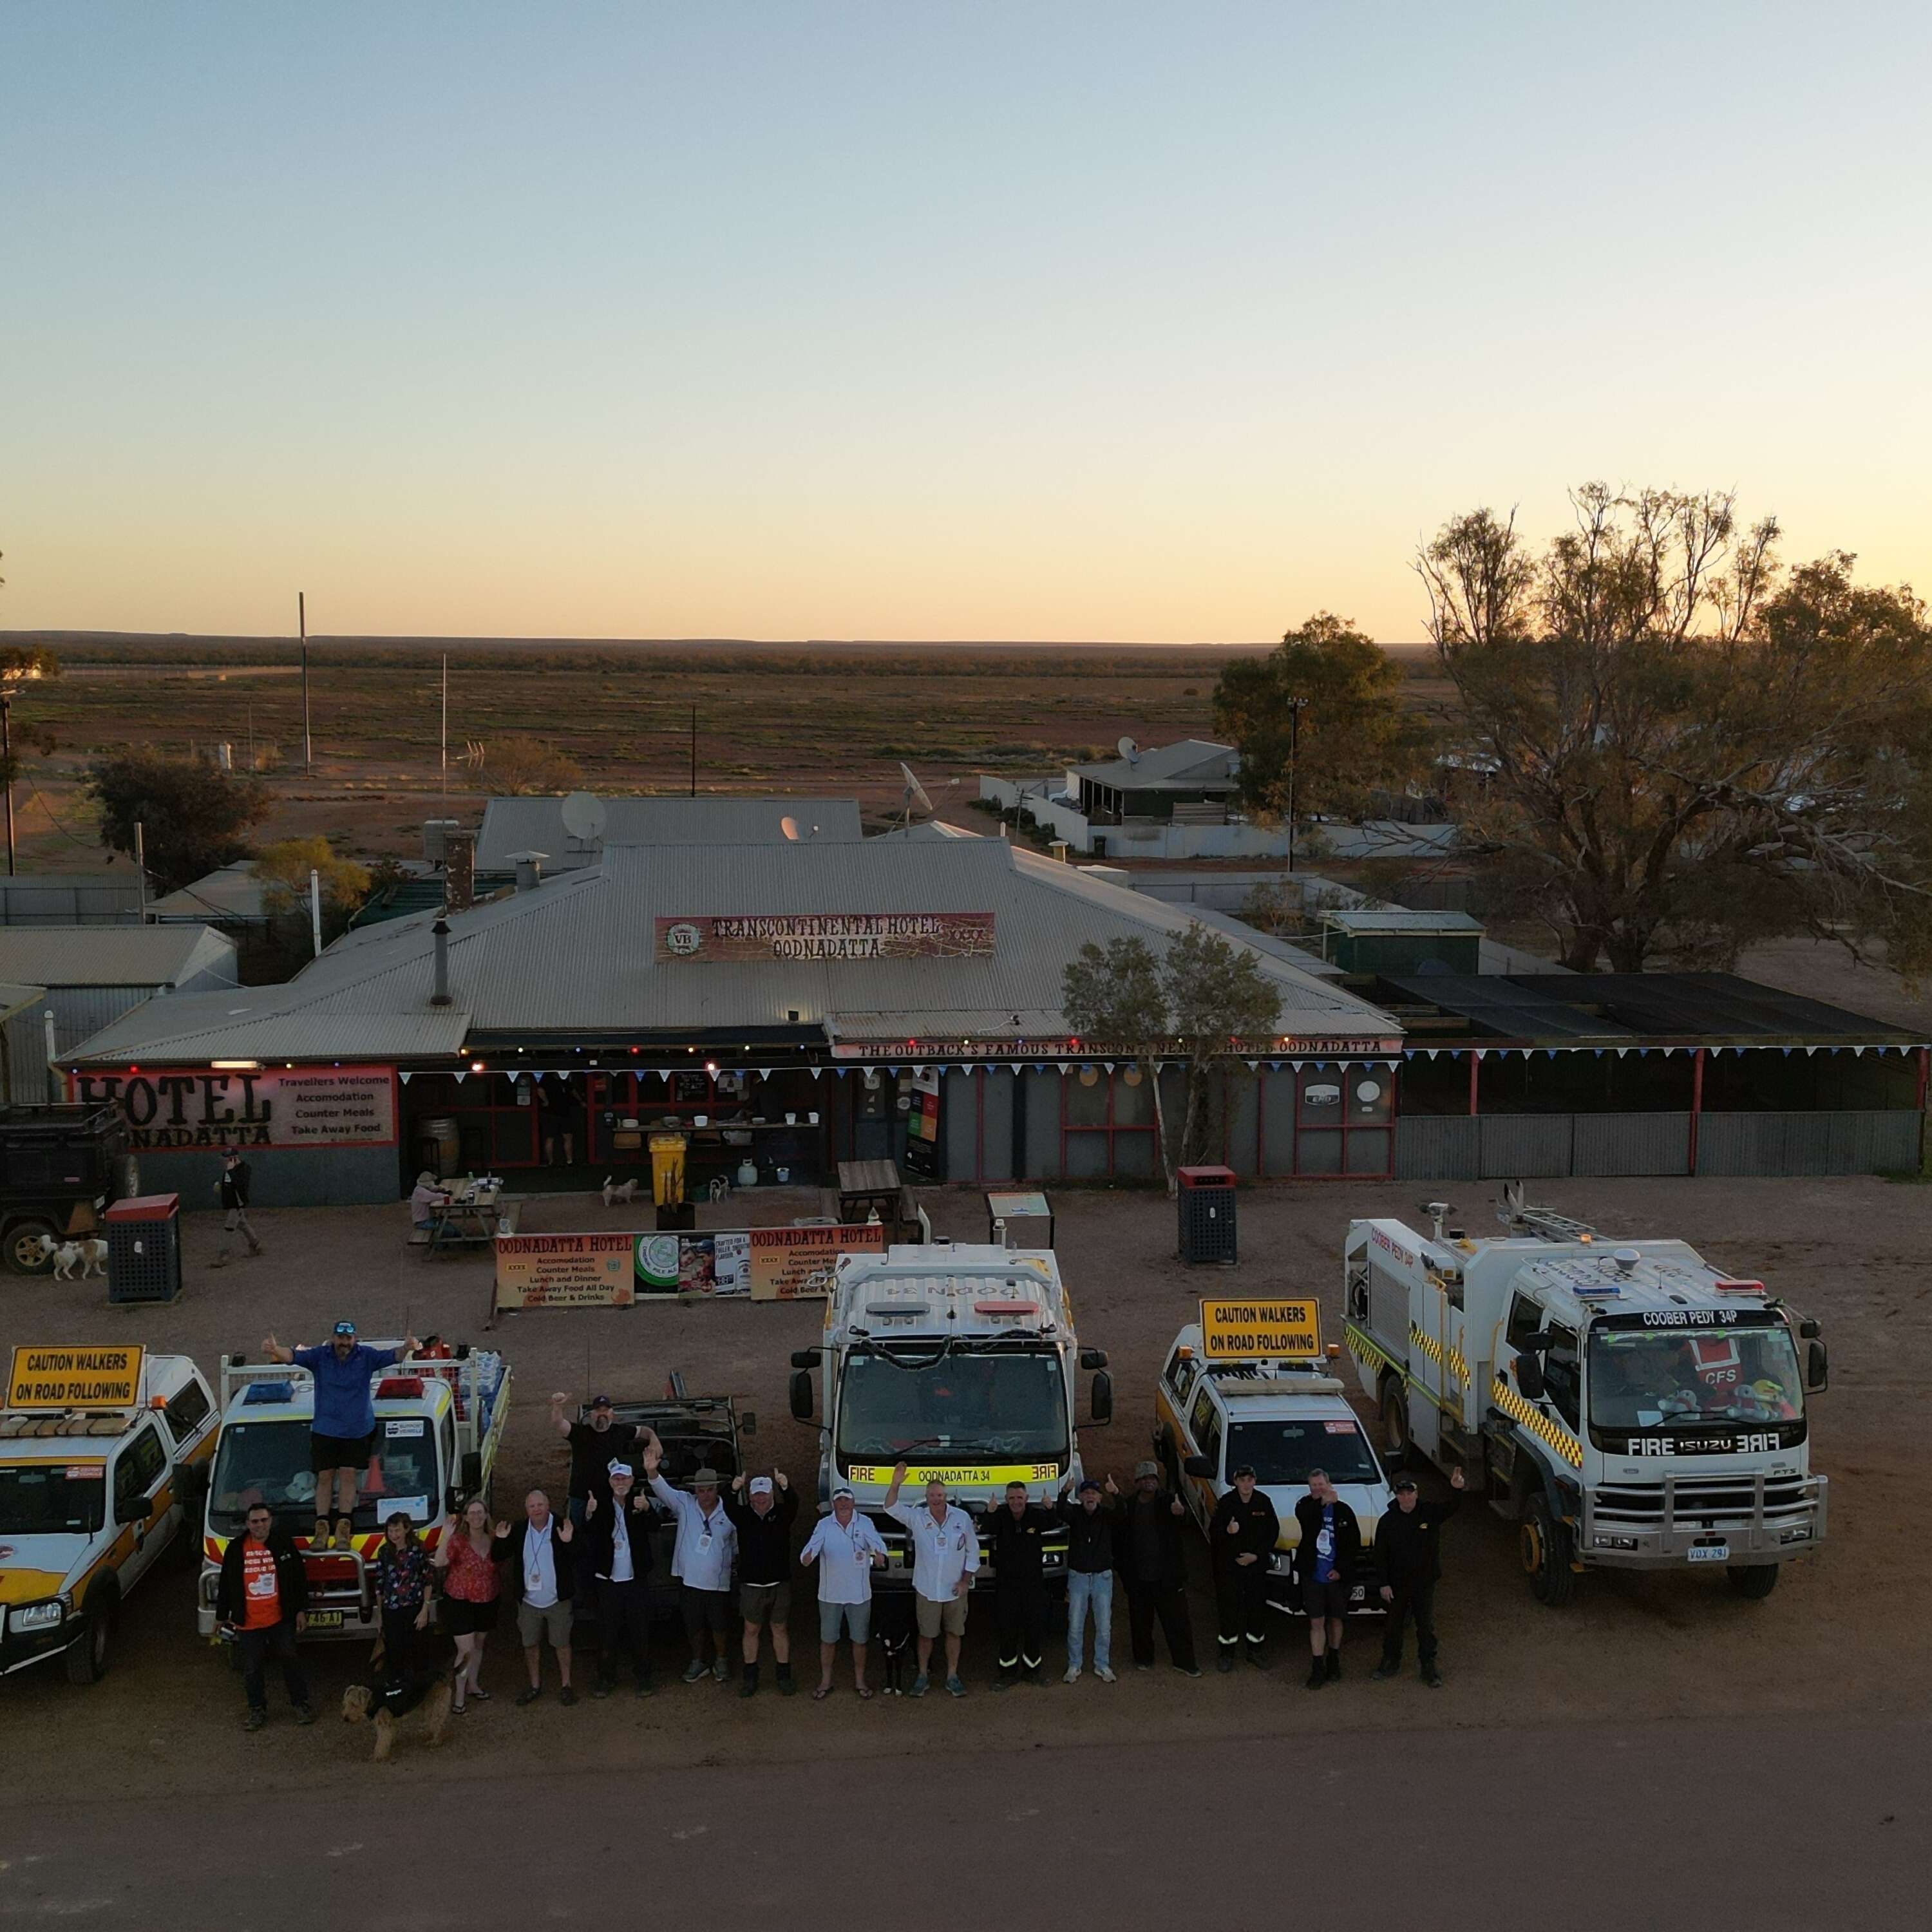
{"x": 1129, "y": 750}
{"x": 584, "y": 816}
{"x": 913, "y": 797}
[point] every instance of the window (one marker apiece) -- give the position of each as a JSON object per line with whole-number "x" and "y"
{"x": 1205, "y": 1424}
{"x": 1563, "y": 1375}
{"x": 496, "y": 1115}
{"x": 140, "y": 1466}
{"x": 1181, "y": 1374}
{"x": 1107, "y": 1124}
{"x": 187, "y": 1411}
{"x": 1525, "y": 1319}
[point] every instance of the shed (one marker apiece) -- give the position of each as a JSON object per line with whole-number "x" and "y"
{"x": 1401, "y": 942}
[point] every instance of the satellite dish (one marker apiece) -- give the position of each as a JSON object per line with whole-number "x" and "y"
{"x": 1129, "y": 750}
{"x": 585, "y": 816}
{"x": 915, "y": 792}
{"x": 788, "y": 826}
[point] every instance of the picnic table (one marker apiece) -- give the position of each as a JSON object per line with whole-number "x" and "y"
{"x": 866, "y": 1187}
{"x": 472, "y": 1217}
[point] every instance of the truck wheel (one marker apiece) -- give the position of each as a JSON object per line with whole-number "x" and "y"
{"x": 1752, "y": 1581}
{"x": 1543, "y": 1541}
{"x": 87, "y": 1655}
{"x": 1398, "y": 1449}
{"x": 24, "y": 1254}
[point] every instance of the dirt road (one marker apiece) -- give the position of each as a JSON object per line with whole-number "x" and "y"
{"x": 1844, "y": 1637}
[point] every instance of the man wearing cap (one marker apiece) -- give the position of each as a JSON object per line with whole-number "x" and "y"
{"x": 1151, "y": 1559}
{"x": 233, "y": 1186}
{"x": 344, "y": 1427}
{"x": 1090, "y": 1519}
{"x": 1242, "y": 1533}
{"x": 1409, "y": 1559}
{"x": 617, "y": 1548}
{"x": 593, "y": 1445}
{"x": 945, "y": 1560}
{"x": 1327, "y": 1558}
{"x": 707, "y": 1540}
{"x": 763, "y": 1511}
{"x": 847, "y": 1550}
{"x": 1016, "y": 1542}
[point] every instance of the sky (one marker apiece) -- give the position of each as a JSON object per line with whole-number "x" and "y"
{"x": 1016, "y": 319}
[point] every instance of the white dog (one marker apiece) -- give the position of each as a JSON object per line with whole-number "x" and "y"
{"x": 91, "y": 1254}
{"x": 614, "y": 1191}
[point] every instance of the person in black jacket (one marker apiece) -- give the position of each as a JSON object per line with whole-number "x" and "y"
{"x": 543, "y": 1586}
{"x": 1151, "y": 1559}
{"x": 764, "y": 1509}
{"x": 1241, "y": 1536}
{"x": 1331, "y": 1552}
{"x": 615, "y": 1550}
{"x": 261, "y": 1600}
{"x": 1016, "y": 1544}
{"x": 1091, "y": 1516}
{"x": 1408, "y": 1562}
{"x": 233, "y": 1186}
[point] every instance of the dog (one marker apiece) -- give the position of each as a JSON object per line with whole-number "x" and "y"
{"x": 91, "y": 1254}
{"x": 381, "y": 1706}
{"x": 615, "y": 1191}
{"x": 892, "y": 1625}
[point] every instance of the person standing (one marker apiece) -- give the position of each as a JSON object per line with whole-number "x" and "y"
{"x": 233, "y": 1186}
{"x": 261, "y": 1600}
{"x": 343, "y": 1426}
{"x": 617, "y": 1549}
{"x": 847, "y": 1550}
{"x": 1241, "y": 1536}
{"x": 1016, "y": 1542}
{"x": 544, "y": 1581}
{"x": 593, "y": 1443}
{"x": 402, "y": 1593}
{"x": 1409, "y": 1561}
{"x": 1151, "y": 1559}
{"x": 945, "y": 1560}
{"x": 707, "y": 1540}
{"x": 471, "y": 1590}
{"x": 762, "y": 1513}
{"x": 1329, "y": 1554}
{"x": 1091, "y": 1518}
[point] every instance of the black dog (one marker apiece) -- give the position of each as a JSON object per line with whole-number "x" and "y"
{"x": 893, "y": 1625}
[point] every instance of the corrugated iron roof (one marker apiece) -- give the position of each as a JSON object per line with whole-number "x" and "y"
{"x": 513, "y": 825}
{"x": 1190, "y": 761}
{"x": 575, "y": 955}
{"x": 1347, "y": 918}
{"x": 109, "y": 956}
{"x": 232, "y": 891}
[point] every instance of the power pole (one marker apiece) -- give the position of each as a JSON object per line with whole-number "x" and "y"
{"x": 445, "y": 733}
{"x": 301, "y": 621}
{"x": 7, "y": 757}
{"x": 1296, "y": 706}
{"x": 694, "y": 759}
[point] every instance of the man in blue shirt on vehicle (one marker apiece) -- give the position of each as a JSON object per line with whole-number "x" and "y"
{"x": 343, "y": 1370}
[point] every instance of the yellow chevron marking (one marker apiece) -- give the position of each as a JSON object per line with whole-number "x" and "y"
{"x": 1532, "y": 1418}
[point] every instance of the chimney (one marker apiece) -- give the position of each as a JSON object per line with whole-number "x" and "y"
{"x": 459, "y": 877}
{"x": 440, "y": 932}
{"x": 530, "y": 869}
{"x": 1059, "y": 849}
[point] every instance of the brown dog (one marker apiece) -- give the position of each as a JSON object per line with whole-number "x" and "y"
{"x": 367, "y": 1703}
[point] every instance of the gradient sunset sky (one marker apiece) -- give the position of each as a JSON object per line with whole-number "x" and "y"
{"x": 1022, "y": 318}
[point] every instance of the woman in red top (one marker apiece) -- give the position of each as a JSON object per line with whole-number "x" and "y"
{"x": 470, "y": 1585}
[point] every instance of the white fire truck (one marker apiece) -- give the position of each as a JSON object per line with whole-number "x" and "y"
{"x": 1626, "y": 1406}
{"x": 440, "y": 1421}
{"x": 959, "y": 1360}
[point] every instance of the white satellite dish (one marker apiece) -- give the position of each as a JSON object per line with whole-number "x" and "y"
{"x": 585, "y": 816}
{"x": 788, "y": 826}
{"x": 915, "y": 792}
{"x": 1129, "y": 750}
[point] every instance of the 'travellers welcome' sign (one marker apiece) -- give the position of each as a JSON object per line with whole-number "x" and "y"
{"x": 265, "y": 1107}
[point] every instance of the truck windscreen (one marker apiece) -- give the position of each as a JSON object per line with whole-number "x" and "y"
{"x": 50, "y": 1499}
{"x": 1672, "y": 1380}
{"x": 1006, "y": 1404}
{"x": 1283, "y": 1453}
{"x": 269, "y": 1463}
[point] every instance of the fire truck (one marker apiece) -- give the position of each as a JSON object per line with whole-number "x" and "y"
{"x": 1627, "y": 1406}
{"x": 440, "y": 1419}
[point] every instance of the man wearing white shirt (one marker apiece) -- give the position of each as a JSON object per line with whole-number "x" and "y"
{"x": 545, "y": 1583}
{"x": 707, "y": 1540}
{"x": 847, "y": 1550}
{"x": 945, "y": 1559}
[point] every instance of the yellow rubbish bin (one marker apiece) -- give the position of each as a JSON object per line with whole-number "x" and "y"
{"x": 667, "y": 1169}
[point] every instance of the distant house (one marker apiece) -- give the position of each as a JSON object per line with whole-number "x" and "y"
{"x": 230, "y": 898}
{"x": 1160, "y": 785}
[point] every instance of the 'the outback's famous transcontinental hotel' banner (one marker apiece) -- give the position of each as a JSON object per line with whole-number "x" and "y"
{"x": 838, "y": 935}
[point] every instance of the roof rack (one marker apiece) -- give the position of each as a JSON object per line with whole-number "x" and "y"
{"x": 1543, "y": 1222}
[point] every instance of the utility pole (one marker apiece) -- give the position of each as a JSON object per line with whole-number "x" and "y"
{"x": 141, "y": 866}
{"x": 694, "y": 759}
{"x": 1296, "y": 706}
{"x": 302, "y": 622}
{"x": 446, "y": 734}
{"x": 7, "y": 757}
{"x": 315, "y": 908}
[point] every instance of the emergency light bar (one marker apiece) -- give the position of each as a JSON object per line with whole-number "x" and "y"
{"x": 1006, "y": 1308}
{"x": 1737, "y": 1288}
{"x": 879, "y": 1311}
{"x": 399, "y": 1388}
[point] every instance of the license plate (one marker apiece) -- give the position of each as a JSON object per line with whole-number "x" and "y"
{"x": 1710, "y": 1552}
{"x": 325, "y": 1620}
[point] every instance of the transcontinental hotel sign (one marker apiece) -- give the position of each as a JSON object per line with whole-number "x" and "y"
{"x": 832, "y": 935}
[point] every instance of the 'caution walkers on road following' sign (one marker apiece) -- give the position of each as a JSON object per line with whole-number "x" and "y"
{"x": 1233, "y": 1330}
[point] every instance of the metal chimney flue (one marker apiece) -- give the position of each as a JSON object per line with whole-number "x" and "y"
{"x": 440, "y": 933}
{"x": 530, "y": 869}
